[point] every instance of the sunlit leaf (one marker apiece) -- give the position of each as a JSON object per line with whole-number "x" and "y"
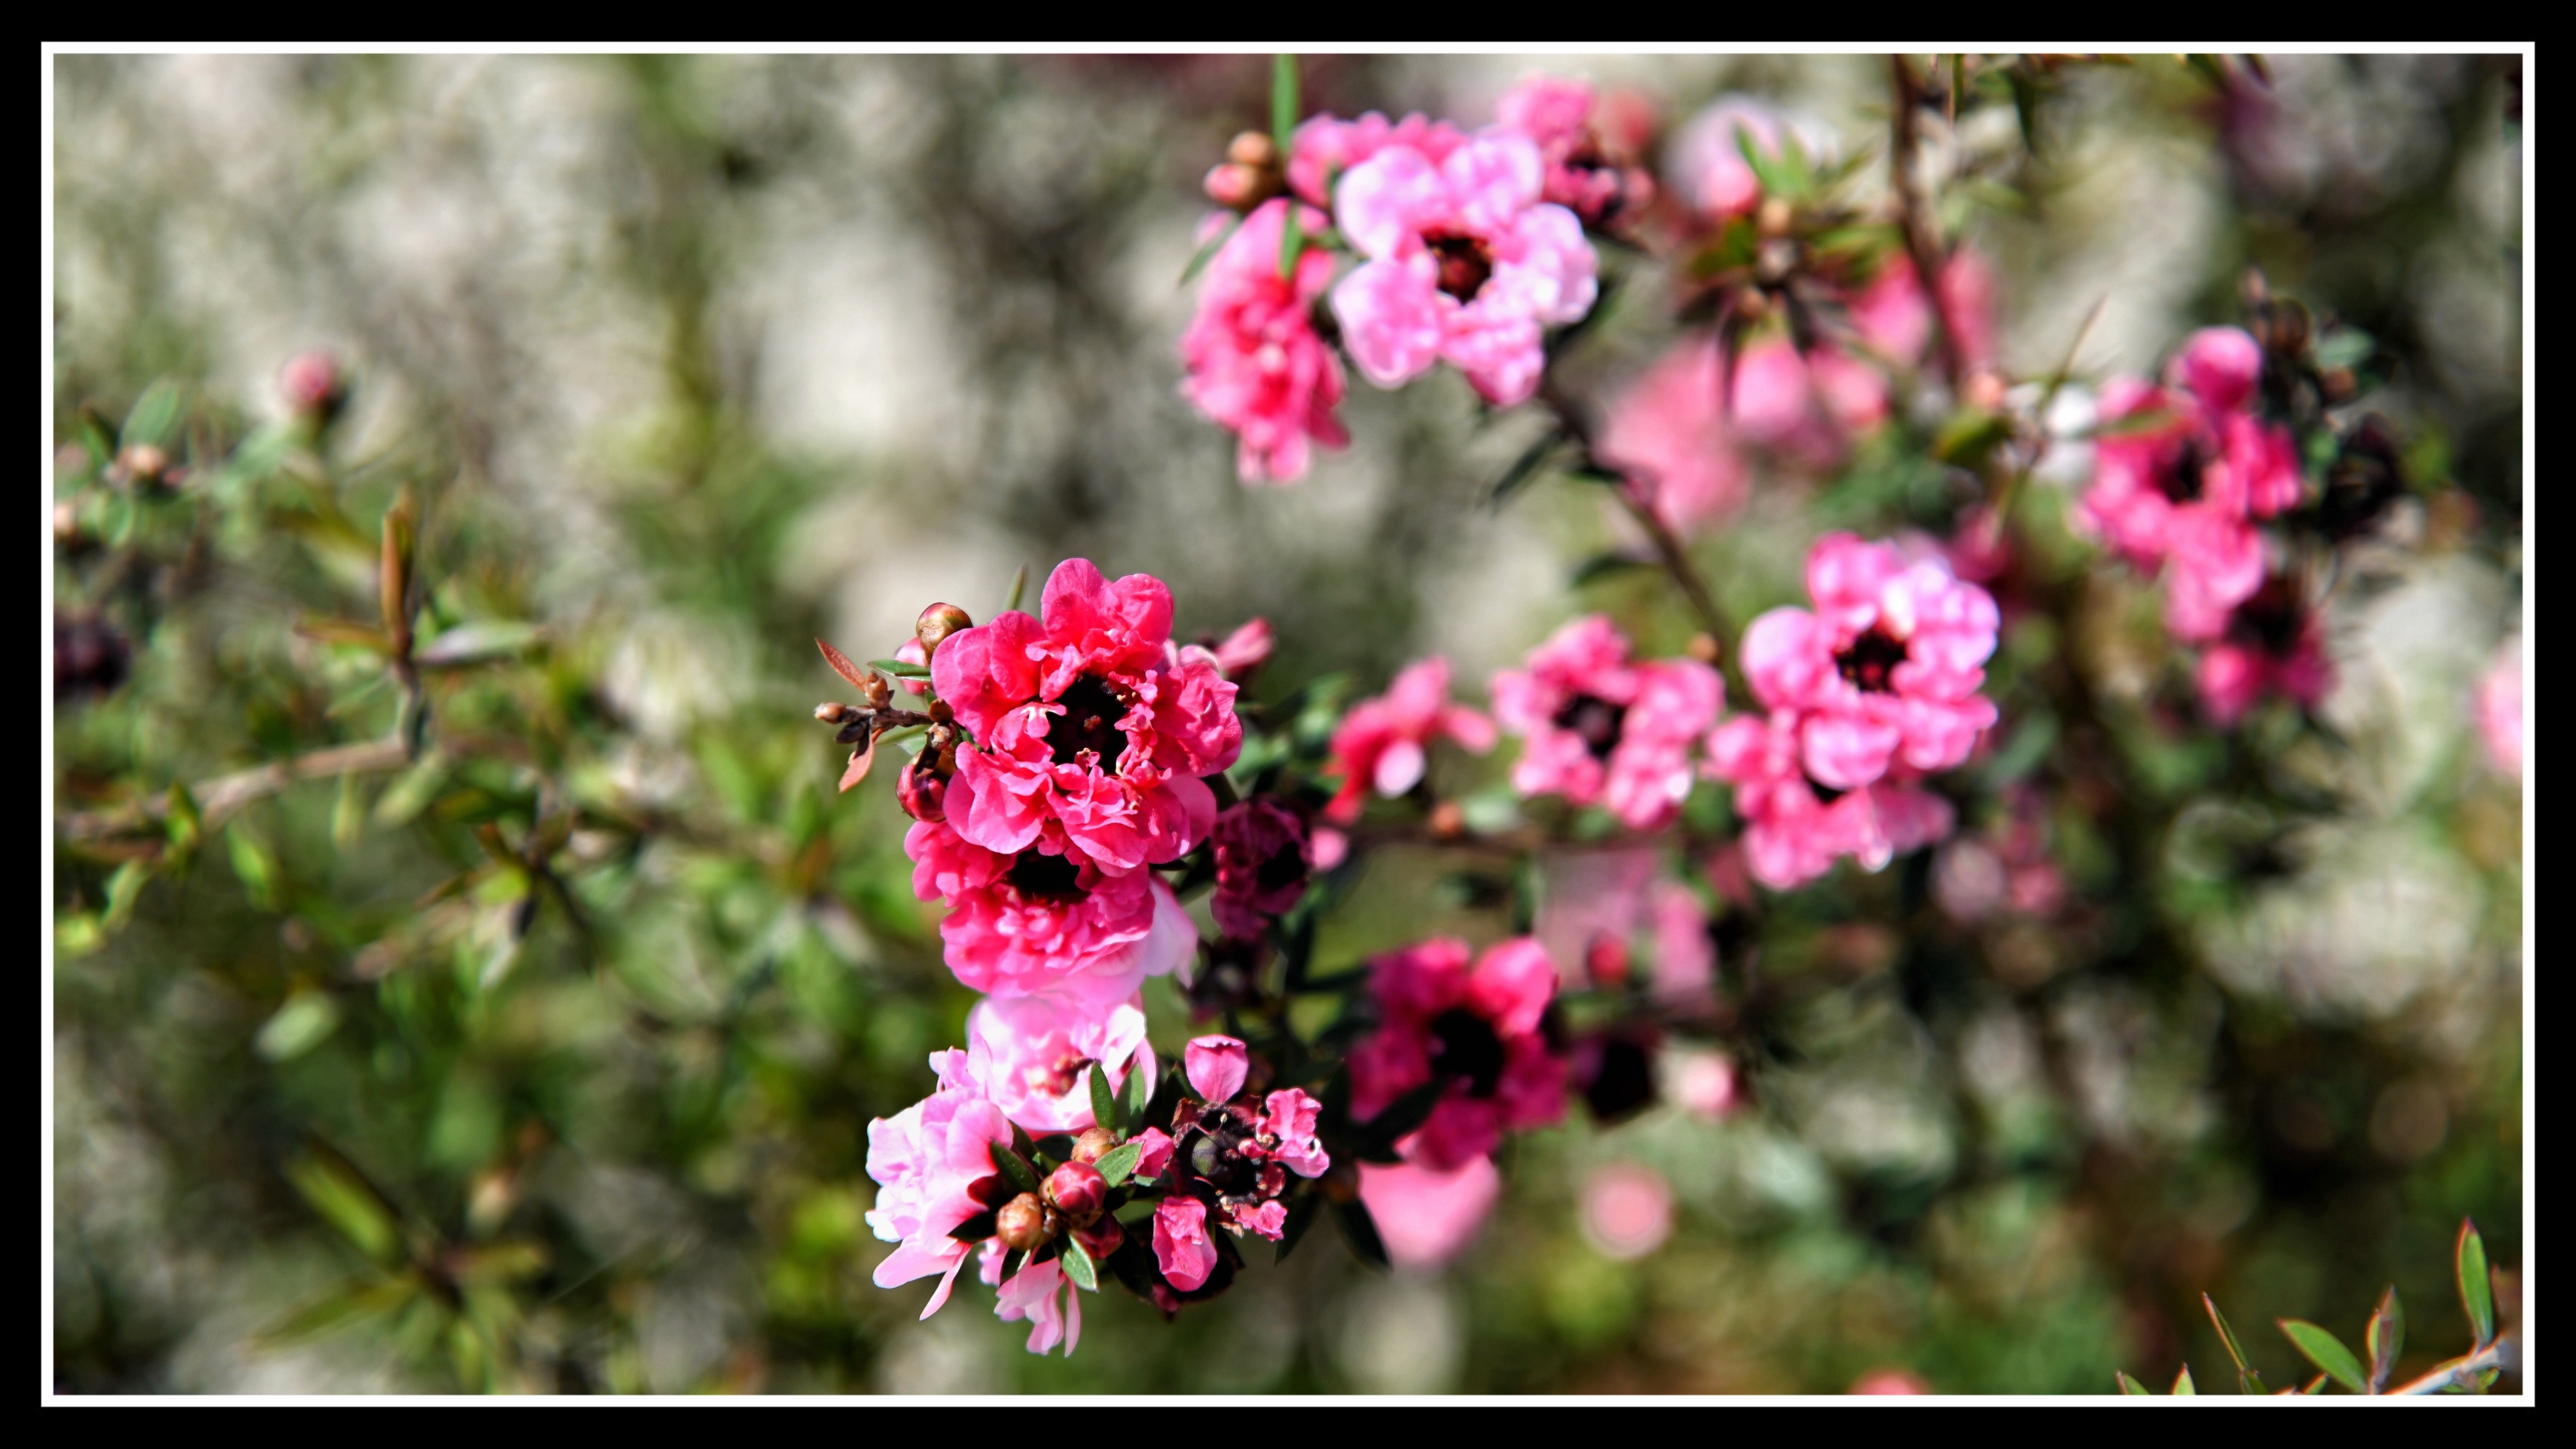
{"x": 347, "y": 1204}
{"x": 2384, "y": 1338}
{"x": 1119, "y": 1163}
{"x": 2182, "y": 1383}
{"x": 2477, "y": 1294}
{"x": 2247, "y": 1380}
{"x": 1104, "y": 1103}
{"x": 1078, "y": 1265}
{"x": 304, "y": 1022}
{"x": 153, "y": 415}
{"x": 2327, "y": 1352}
{"x": 2130, "y": 1386}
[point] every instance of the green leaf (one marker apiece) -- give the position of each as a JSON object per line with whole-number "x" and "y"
{"x": 2131, "y": 1387}
{"x": 2327, "y": 1352}
{"x": 1131, "y": 1099}
{"x": 2183, "y": 1385}
{"x": 153, "y": 415}
{"x": 899, "y": 669}
{"x": 479, "y": 643}
{"x": 2345, "y": 347}
{"x": 1603, "y": 565}
{"x": 1301, "y": 1216}
{"x": 1523, "y": 468}
{"x": 185, "y": 825}
{"x": 1016, "y": 1169}
{"x": 1020, "y": 580}
{"x": 123, "y": 889}
{"x": 347, "y": 1204}
{"x": 1968, "y": 436}
{"x": 2477, "y": 1295}
{"x": 1198, "y": 263}
{"x": 1283, "y": 103}
{"x": 1104, "y": 1103}
{"x": 2315, "y": 1385}
{"x": 2247, "y": 1380}
{"x": 304, "y": 1022}
{"x": 1119, "y": 1163}
{"x": 2384, "y": 1337}
{"x": 1078, "y": 1265}
{"x": 256, "y": 867}
{"x": 339, "y": 1308}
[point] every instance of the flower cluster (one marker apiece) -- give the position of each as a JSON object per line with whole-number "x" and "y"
{"x": 1601, "y": 729}
{"x": 1862, "y": 695}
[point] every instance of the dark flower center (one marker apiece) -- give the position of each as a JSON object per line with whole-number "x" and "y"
{"x": 1465, "y": 263}
{"x": 1089, "y": 722}
{"x": 1037, "y": 875}
{"x": 1595, "y": 720}
{"x": 1870, "y": 660}
{"x": 2182, "y": 481}
{"x": 2271, "y": 619}
{"x": 1285, "y": 867}
{"x": 1468, "y": 1048}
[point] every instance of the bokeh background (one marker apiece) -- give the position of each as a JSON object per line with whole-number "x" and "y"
{"x": 690, "y": 360}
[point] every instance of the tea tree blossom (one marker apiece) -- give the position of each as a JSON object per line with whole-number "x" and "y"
{"x": 1045, "y": 921}
{"x": 1033, "y": 1055}
{"x": 1261, "y": 866}
{"x": 1384, "y": 742}
{"x": 933, "y": 1163}
{"x": 1598, "y": 729}
{"x": 1591, "y": 169}
{"x": 1254, "y": 362}
{"x": 1670, "y": 433}
{"x": 1471, "y": 1024}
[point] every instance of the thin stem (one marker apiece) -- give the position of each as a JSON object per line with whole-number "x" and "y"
{"x": 218, "y": 798}
{"x": 1920, "y": 242}
{"x": 2459, "y": 1372}
{"x": 1668, "y": 545}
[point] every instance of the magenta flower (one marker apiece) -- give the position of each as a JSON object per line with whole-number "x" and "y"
{"x": 2274, "y": 644}
{"x": 1385, "y": 741}
{"x": 1289, "y": 1115}
{"x": 1033, "y": 1056}
{"x": 1254, "y": 362}
{"x": 1053, "y": 1316}
{"x": 1600, "y": 730}
{"x": 1558, "y": 114}
{"x": 1426, "y": 1216}
{"x": 1476, "y": 1030}
{"x": 1885, "y": 670}
{"x": 1091, "y": 729}
{"x": 1216, "y": 1067}
{"x": 1181, "y": 1246}
{"x": 1326, "y": 146}
{"x": 1154, "y": 1154}
{"x": 2498, "y": 709}
{"x": 1260, "y": 866}
{"x": 1463, "y": 262}
{"x": 1244, "y": 650}
{"x": 1669, "y": 432}
{"x": 1796, "y": 829}
{"x": 928, "y": 1160}
{"x": 1037, "y": 921}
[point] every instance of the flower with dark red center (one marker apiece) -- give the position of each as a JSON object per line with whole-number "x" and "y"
{"x": 1231, "y": 1153}
{"x": 2275, "y": 644}
{"x": 1473, "y": 1028}
{"x": 1796, "y": 828}
{"x": 1260, "y": 866}
{"x": 1588, "y": 173}
{"x": 1038, "y": 921}
{"x": 1091, "y": 730}
{"x": 1601, "y": 730}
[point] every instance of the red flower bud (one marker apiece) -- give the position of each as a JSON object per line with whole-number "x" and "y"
{"x": 1022, "y": 1222}
{"x": 1077, "y": 1189}
{"x": 1094, "y": 1144}
{"x": 938, "y": 622}
{"x": 1101, "y": 1238}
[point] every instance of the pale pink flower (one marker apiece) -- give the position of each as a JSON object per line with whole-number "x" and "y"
{"x": 1385, "y": 741}
{"x": 1042, "y": 1294}
{"x": 1703, "y": 1082}
{"x": 2274, "y": 644}
{"x": 1261, "y": 866}
{"x": 1627, "y": 1210}
{"x": 1289, "y": 1115}
{"x": 926, "y": 1160}
{"x": 1669, "y": 433}
{"x": 1034, "y": 1055}
{"x": 2499, "y": 710}
{"x": 1600, "y": 730}
{"x": 1324, "y": 147}
{"x": 1181, "y": 1246}
{"x": 1041, "y": 922}
{"x": 1885, "y": 670}
{"x": 1216, "y": 1067}
{"x": 1463, "y": 262}
{"x": 1705, "y": 162}
{"x": 1426, "y": 1216}
{"x": 1474, "y": 1029}
{"x": 1583, "y": 175}
{"x": 1254, "y": 361}
{"x": 1794, "y": 829}
{"x": 1092, "y": 730}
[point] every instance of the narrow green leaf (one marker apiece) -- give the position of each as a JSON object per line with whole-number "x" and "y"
{"x": 1360, "y": 1230}
{"x": 2131, "y": 1387}
{"x": 2327, "y": 1352}
{"x": 1523, "y": 468}
{"x": 1603, "y": 565}
{"x": 1020, "y": 580}
{"x": 2477, "y": 1295}
{"x": 123, "y": 889}
{"x": 2183, "y": 1385}
{"x": 1119, "y": 1163}
{"x": 348, "y": 1205}
{"x": 2384, "y": 1337}
{"x": 337, "y": 1309}
{"x": 256, "y": 867}
{"x": 1078, "y": 1265}
{"x": 479, "y": 642}
{"x": 150, "y": 419}
{"x": 186, "y": 826}
{"x": 1104, "y": 1103}
{"x": 899, "y": 669}
{"x": 1301, "y": 1216}
{"x": 1131, "y": 1099}
{"x": 2316, "y": 1385}
{"x": 1016, "y": 1169}
{"x": 306, "y": 1020}
{"x": 2247, "y": 1381}
{"x": 1283, "y": 103}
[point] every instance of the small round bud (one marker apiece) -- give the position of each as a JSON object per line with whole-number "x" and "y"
{"x": 1094, "y": 1144}
{"x": 1077, "y": 1189}
{"x": 1774, "y": 217}
{"x": 1022, "y": 1222}
{"x": 66, "y": 521}
{"x": 831, "y": 712}
{"x": 1702, "y": 647}
{"x": 1985, "y": 390}
{"x": 1252, "y": 148}
{"x": 1448, "y": 820}
{"x": 938, "y": 622}
{"x": 312, "y": 383}
{"x": 143, "y": 462}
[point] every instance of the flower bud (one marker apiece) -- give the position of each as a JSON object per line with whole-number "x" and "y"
{"x": 1702, "y": 647}
{"x": 1101, "y": 1238}
{"x": 1076, "y": 1189}
{"x": 1252, "y": 148}
{"x": 1774, "y": 216}
{"x": 312, "y": 384}
{"x": 1022, "y": 1222}
{"x": 923, "y": 793}
{"x": 936, "y": 623}
{"x": 1448, "y": 820}
{"x": 831, "y": 712}
{"x": 143, "y": 462}
{"x": 1094, "y": 1144}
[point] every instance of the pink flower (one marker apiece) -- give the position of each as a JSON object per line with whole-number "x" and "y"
{"x": 312, "y": 383}
{"x": 911, "y": 652}
{"x": 1260, "y": 866}
{"x": 1706, "y": 164}
{"x": 1669, "y": 432}
{"x": 2499, "y": 710}
{"x": 1426, "y": 1216}
{"x": 1894, "y": 317}
{"x": 1590, "y": 903}
{"x": 1245, "y": 649}
{"x": 1036, "y": 921}
{"x": 1181, "y": 1246}
{"x": 1885, "y": 670}
{"x": 1794, "y": 829}
{"x": 1557, "y": 113}
{"x": 1599, "y": 729}
{"x": 1463, "y": 262}
{"x": 1254, "y": 362}
{"x": 2274, "y": 644}
{"x": 1890, "y": 1381}
{"x": 1289, "y": 1115}
{"x": 1153, "y": 1155}
{"x": 1704, "y": 1083}
{"x": 1385, "y": 741}
{"x": 926, "y": 1160}
{"x": 1216, "y": 1066}
{"x": 1326, "y": 146}
{"x": 1034, "y": 1055}
{"x": 1032, "y": 1294}
{"x": 1685, "y": 958}
{"x": 1475, "y": 1030}
{"x": 1627, "y": 1210}
{"x": 1092, "y": 730}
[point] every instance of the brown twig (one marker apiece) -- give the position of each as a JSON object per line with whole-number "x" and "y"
{"x": 218, "y": 798}
{"x": 1921, "y": 244}
{"x": 1572, "y": 421}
